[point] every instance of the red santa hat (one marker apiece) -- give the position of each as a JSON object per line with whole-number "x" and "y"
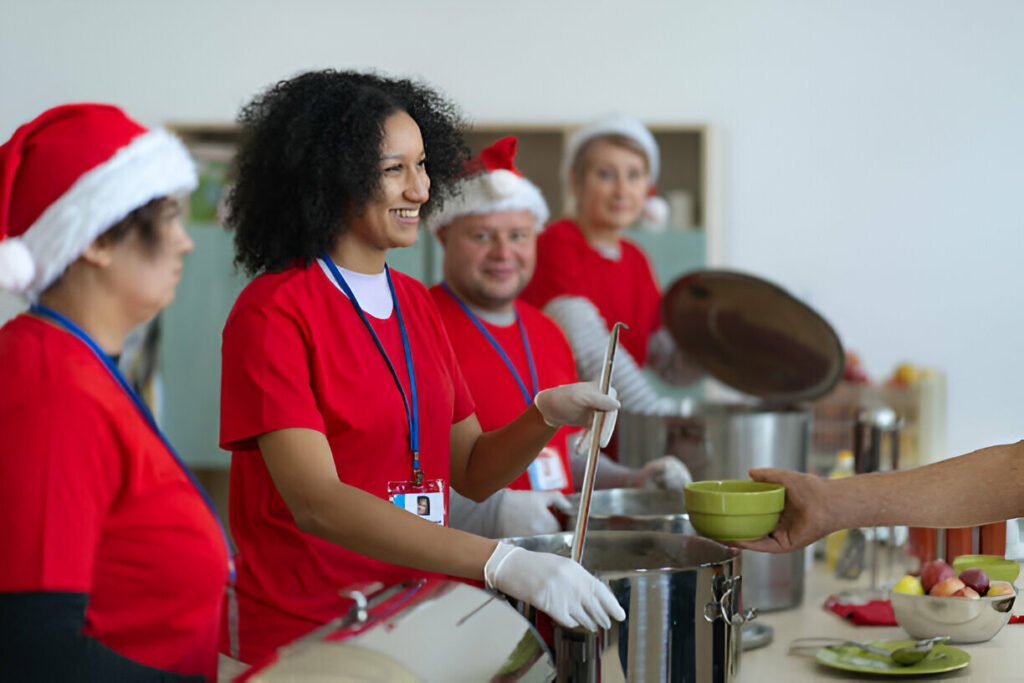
{"x": 492, "y": 183}
{"x": 70, "y": 175}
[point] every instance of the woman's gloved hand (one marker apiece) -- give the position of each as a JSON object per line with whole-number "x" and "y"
{"x": 574, "y": 404}
{"x": 667, "y": 472}
{"x": 527, "y": 513}
{"x": 555, "y": 585}
{"x": 583, "y": 441}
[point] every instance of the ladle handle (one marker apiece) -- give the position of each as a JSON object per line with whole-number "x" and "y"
{"x": 726, "y": 607}
{"x": 594, "y": 448}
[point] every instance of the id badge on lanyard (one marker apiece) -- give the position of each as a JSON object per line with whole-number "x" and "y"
{"x": 422, "y": 497}
{"x": 546, "y": 472}
{"x": 424, "y": 500}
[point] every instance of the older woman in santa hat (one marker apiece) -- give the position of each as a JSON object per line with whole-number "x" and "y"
{"x": 589, "y": 276}
{"x": 114, "y": 562}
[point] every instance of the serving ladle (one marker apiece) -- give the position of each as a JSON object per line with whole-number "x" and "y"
{"x": 908, "y": 655}
{"x": 596, "y": 427}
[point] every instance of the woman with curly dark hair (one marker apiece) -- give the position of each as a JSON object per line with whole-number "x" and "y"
{"x": 342, "y": 401}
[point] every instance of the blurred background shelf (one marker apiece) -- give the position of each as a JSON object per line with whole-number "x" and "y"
{"x": 191, "y": 326}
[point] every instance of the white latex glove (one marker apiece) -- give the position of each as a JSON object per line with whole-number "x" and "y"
{"x": 573, "y": 404}
{"x": 555, "y": 585}
{"x": 583, "y": 439}
{"x": 527, "y": 513}
{"x": 667, "y": 472}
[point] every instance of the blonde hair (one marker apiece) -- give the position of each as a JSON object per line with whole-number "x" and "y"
{"x": 579, "y": 162}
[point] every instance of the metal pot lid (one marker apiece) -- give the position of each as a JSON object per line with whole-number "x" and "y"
{"x": 753, "y": 335}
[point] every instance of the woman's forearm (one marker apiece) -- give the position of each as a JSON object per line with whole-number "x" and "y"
{"x": 363, "y": 523}
{"x": 497, "y": 457}
{"x": 977, "y": 488}
{"x": 306, "y": 476}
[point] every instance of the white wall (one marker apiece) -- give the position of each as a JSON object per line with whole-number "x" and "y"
{"x": 867, "y": 155}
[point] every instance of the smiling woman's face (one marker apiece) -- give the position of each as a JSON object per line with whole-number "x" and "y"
{"x": 611, "y": 185}
{"x": 392, "y": 219}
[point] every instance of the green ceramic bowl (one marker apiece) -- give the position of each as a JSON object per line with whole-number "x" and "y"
{"x": 734, "y": 510}
{"x": 997, "y": 568}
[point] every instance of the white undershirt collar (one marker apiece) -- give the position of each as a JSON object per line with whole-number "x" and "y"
{"x": 496, "y": 318}
{"x": 371, "y": 291}
{"x": 609, "y": 251}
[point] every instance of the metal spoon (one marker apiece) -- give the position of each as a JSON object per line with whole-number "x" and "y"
{"x": 912, "y": 654}
{"x": 907, "y": 655}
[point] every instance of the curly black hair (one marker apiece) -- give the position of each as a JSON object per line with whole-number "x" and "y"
{"x": 310, "y": 155}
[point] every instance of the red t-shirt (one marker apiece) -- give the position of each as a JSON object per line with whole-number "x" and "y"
{"x": 622, "y": 290}
{"x": 296, "y": 355}
{"x": 91, "y": 501}
{"x": 498, "y": 397}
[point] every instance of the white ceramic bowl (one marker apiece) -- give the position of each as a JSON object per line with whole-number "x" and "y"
{"x": 964, "y": 620}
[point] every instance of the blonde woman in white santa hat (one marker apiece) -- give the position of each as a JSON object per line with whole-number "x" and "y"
{"x": 114, "y": 561}
{"x": 507, "y": 349}
{"x": 589, "y": 276}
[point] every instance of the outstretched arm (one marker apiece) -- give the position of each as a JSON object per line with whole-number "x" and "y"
{"x": 303, "y": 470}
{"x": 984, "y": 486}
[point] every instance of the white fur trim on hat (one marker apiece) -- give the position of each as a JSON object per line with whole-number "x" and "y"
{"x": 615, "y": 124}
{"x": 154, "y": 164}
{"x": 16, "y": 268}
{"x": 491, "y": 192}
{"x": 656, "y": 212}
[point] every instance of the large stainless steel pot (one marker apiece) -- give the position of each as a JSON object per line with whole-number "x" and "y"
{"x": 681, "y": 597}
{"x": 734, "y": 438}
{"x": 755, "y": 337}
{"x": 430, "y": 630}
{"x": 634, "y": 510}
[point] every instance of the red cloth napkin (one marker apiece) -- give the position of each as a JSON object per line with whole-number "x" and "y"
{"x": 871, "y": 613}
{"x": 874, "y": 612}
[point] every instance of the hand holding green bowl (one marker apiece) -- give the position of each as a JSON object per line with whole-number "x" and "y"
{"x": 734, "y": 510}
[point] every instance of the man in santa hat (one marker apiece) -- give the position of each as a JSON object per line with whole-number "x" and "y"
{"x": 508, "y": 350}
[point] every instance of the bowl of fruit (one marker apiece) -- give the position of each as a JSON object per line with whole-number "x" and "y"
{"x": 969, "y": 608}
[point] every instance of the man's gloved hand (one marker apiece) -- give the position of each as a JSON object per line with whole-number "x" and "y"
{"x": 555, "y": 585}
{"x": 527, "y": 513}
{"x": 573, "y": 404}
{"x": 667, "y": 472}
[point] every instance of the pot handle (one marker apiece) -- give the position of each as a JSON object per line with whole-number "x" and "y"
{"x": 726, "y": 606}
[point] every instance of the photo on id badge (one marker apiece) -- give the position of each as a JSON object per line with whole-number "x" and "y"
{"x": 425, "y": 500}
{"x": 546, "y": 472}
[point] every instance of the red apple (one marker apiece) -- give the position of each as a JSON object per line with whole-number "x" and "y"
{"x": 997, "y": 588}
{"x": 947, "y": 587}
{"x": 966, "y": 592}
{"x": 934, "y": 572}
{"x": 975, "y": 578}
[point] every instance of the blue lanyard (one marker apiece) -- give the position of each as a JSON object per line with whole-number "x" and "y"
{"x": 143, "y": 409}
{"x": 412, "y": 410}
{"x": 527, "y": 396}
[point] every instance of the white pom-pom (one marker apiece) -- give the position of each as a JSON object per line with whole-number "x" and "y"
{"x": 16, "y": 265}
{"x": 656, "y": 212}
{"x": 503, "y": 183}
